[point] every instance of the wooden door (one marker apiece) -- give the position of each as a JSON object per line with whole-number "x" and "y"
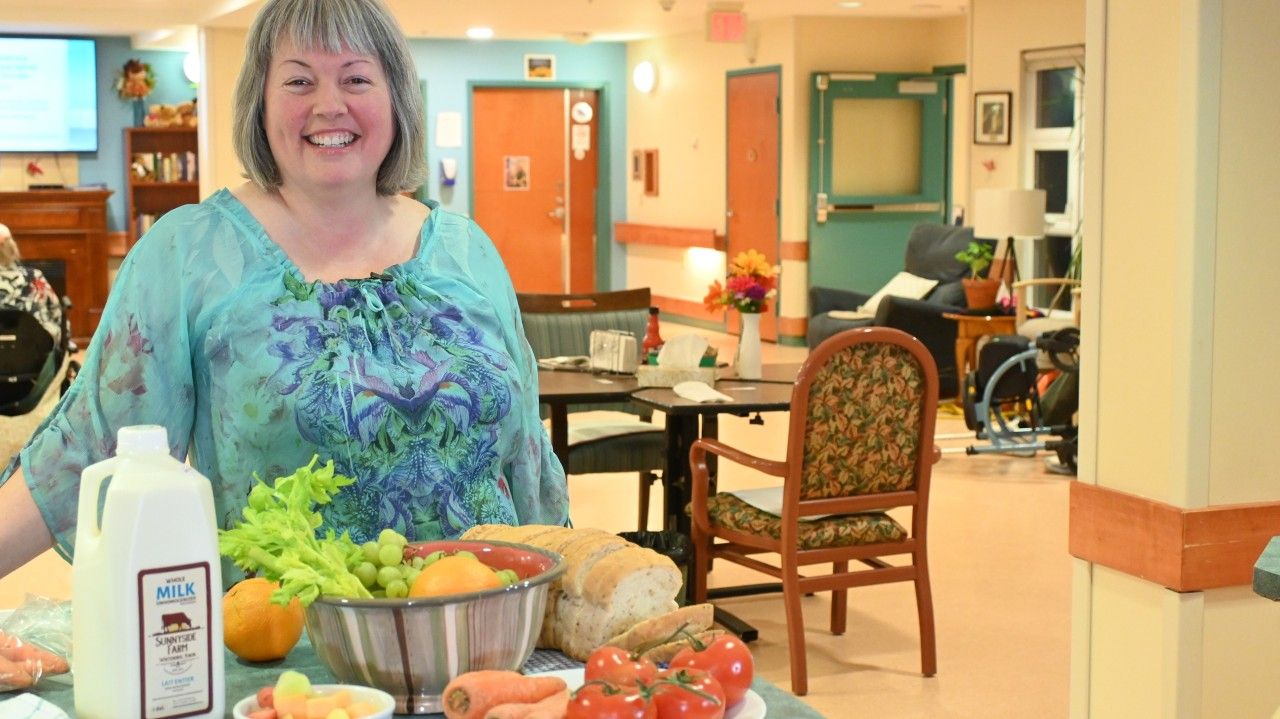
{"x": 534, "y": 157}
{"x": 752, "y": 157}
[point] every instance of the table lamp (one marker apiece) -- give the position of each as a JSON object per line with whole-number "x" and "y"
{"x": 1005, "y": 213}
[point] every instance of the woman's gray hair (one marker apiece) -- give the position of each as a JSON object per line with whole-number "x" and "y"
{"x": 9, "y": 254}
{"x": 362, "y": 26}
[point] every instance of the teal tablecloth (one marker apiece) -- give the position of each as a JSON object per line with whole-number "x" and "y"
{"x": 244, "y": 679}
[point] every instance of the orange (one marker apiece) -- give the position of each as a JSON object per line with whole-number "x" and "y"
{"x": 454, "y": 574}
{"x": 254, "y": 628}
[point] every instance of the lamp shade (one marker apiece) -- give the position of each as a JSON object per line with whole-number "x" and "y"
{"x": 1001, "y": 213}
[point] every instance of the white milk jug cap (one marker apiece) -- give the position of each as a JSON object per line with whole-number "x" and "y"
{"x": 142, "y": 439}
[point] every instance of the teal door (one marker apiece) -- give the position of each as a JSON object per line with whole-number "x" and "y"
{"x": 877, "y": 167}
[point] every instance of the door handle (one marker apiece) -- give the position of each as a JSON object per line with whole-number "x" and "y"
{"x": 556, "y": 214}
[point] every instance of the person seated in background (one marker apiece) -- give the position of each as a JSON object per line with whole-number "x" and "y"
{"x": 313, "y": 310}
{"x": 25, "y": 288}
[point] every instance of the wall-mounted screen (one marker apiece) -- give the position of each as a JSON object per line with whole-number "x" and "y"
{"x": 48, "y": 94}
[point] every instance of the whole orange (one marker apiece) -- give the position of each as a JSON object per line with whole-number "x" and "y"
{"x": 452, "y": 575}
{"x": 256, "y": 629}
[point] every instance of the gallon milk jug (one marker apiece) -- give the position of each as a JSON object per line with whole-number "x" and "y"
{"x": 146, "y": 589}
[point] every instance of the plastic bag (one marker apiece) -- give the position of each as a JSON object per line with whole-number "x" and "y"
{"x": 35, "y": 643}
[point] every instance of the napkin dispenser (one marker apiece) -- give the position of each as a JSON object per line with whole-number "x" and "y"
{"x": 614, "y": 351}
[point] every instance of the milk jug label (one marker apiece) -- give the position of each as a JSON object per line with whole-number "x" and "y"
{"x": 174, "y": 616}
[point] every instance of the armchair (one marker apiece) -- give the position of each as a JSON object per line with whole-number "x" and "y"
{"x": 930, "y": 254}
{"x": 859, "y": 444}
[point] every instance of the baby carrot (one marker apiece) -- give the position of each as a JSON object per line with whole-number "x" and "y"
{"x": 472, "y": 694}
{"x": 13, "y": 676}
{"x": 553, "y": 707}
{"x": 30, "y": 656}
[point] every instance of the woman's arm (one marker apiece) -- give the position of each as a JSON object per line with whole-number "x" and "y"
{"x": 23, "y": 535}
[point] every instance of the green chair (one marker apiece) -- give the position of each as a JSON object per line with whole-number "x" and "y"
{"x": 561, "y": 325}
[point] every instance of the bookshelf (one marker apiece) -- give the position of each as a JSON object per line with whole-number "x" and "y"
{"x": 162, "y": 172}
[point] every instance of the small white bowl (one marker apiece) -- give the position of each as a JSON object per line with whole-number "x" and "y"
{"x": 380, "y": 699}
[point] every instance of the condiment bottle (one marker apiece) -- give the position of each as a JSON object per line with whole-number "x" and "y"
{"x": 146, "y": 591}
{"x": 652, "y": 338}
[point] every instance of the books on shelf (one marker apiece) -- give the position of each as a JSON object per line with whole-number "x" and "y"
{"x": 164, "y": 167}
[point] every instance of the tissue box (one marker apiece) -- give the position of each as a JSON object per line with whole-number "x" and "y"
{"x": 648, "y": 375}
{"x": 613, "y": 351}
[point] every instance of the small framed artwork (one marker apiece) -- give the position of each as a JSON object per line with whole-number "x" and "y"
{"x": 539, "y": 67}
{"x": 992, "y": 115}
{"x": 515, "y": 172}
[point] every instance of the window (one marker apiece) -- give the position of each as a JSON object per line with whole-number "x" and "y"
{"x": 1053, "y": 149}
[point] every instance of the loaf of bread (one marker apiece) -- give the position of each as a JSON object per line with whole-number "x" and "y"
{"x": 609, "y": 584}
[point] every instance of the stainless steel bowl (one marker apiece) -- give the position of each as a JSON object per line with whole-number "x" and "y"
{"x": 412, "y": 648}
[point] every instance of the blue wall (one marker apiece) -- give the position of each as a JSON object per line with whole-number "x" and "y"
{"x": 106, "y": 166}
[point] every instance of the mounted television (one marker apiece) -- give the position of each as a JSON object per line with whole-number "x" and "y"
{"x": 48, "y": 94}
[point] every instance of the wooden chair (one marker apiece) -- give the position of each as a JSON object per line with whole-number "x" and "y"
{"x": 860, "y": 442}
{"x": 561, "y": 325}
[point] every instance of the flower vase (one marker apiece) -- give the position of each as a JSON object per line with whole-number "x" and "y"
{"x": 139, "y": 112}
{"x": 747, "y": 361}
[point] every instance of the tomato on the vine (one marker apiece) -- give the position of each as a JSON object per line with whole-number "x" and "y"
{"x": 618, "y": 666}
{"x": 727, "y": 659}
{"x": 688, "y": 694}
{"x": 602, "y": 700}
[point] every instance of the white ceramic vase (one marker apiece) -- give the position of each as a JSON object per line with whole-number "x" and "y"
{"x": 747, "y": 363}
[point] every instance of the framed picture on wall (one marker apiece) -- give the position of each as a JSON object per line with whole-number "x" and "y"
{"x": 992, "y": 115}
{"x": 539, "y": 67}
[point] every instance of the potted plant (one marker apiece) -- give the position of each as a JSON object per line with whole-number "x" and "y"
{"x": 980, "y": 292}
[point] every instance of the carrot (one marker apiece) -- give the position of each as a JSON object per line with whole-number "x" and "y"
{"x": 552, "y": 707}
{"x": 13, "y": 676}
{"x": 472, "y": 694}
{"x": 33, "y": 658}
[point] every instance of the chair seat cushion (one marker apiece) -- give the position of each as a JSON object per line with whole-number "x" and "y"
{"x": 615, "y": 446}
{"x": 846, "y": 530}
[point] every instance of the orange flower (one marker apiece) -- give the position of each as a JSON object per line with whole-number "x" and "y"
{"x": 751, "y": 283}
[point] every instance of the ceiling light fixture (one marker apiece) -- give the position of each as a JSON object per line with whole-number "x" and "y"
{"x": 850, "y": 4}
{"x": 480, "y": 32}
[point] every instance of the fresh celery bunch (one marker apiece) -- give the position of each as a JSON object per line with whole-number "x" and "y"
{"x": 278, "y": 537}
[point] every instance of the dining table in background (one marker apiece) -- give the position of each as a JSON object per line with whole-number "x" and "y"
{"x": 559, "y": 388}
{"x": 686, "y": 422}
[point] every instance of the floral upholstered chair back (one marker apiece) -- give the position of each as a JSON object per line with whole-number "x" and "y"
{"x": 862, "y": 426}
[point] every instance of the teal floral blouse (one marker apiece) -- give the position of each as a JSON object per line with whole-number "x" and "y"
{"x": 417, "y": 382}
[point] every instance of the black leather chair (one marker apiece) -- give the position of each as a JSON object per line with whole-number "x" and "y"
{"x": 931, "y": 253}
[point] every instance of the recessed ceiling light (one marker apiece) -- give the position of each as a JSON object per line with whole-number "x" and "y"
{"x": 850, "y": 4}
{"x": 480, "y": 33}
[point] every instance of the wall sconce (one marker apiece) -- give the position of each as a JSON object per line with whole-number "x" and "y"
{"x": 644, "y": 77}
{"x": 191, "y": 67}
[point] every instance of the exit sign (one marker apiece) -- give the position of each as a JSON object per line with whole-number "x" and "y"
{"x": 726, "y": 25}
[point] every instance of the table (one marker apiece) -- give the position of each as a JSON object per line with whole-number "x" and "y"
{"x": 243, "y": 679}
{"x": 772, "y": 395}
{"x": 969, "y": 329}
{"x": 560, "y": 388}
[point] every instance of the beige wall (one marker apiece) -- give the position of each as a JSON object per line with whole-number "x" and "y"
{"x": 1000, "y": 31}
{"x": 223, "y": 52}
{"x": 691, "y": 74}
{"x": 1187, "y": 153}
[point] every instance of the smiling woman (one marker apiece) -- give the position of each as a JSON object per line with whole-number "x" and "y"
{"x": 313, "y": 310}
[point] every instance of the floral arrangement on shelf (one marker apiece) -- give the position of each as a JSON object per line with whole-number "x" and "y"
{"x": 135, "y": 81}
{"x": 751, "y": 283}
